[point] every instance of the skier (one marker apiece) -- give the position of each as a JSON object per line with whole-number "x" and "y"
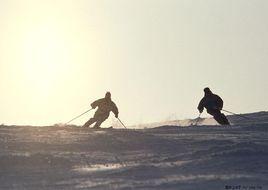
{"x": 213, "y": 103}
{"x": 105, "y": 105}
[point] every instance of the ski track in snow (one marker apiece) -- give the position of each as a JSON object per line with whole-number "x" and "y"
{"x": 196, "y": 157}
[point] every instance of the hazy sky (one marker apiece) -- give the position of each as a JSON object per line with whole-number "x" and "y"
{"x": 155, "y": 56}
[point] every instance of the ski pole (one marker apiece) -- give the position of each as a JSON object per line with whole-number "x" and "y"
{"x": 121, "y": 122}
{"x": 236, "y": 114}
{"x": 198, "y": 118}
{"x": 79, "y": 116}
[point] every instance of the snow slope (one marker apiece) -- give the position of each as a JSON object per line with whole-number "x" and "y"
{"x": 166, "y": 157}
{"x": 241, "y": 119}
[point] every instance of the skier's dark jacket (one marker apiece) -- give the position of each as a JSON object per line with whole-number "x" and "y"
{"x": 105, "y": 105}
{"x": 211, "y": 102}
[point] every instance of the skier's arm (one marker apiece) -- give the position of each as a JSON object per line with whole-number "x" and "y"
{"x": 201, "y": 105}
{"x": 219, "y": 103}
{"x": 95, "y": 104}
{"x": 115, "y": 110}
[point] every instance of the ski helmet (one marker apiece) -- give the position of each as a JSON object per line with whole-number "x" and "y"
{"x": 108, "y": 95}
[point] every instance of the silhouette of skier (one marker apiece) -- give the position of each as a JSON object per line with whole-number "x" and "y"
{"x": 213, "y": 103}
{"x": 105, "y": 105}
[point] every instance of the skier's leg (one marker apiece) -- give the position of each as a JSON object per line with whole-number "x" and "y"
{"x": 211, "y": 112}
{"x": 216, "y": 114}
{"x": 89, "y": 122}
{"x": 224, "y": 120}
{"x": 221, "y": 118}
{"x": 97, "y": 124}
{"x": 99, "y": 121}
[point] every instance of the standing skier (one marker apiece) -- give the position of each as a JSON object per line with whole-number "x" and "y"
{"x": 105, "y": 105}
{"x": 213, "y": 103}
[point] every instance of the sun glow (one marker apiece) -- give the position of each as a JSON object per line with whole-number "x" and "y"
{"x": 46, "y": 50}
{"x": 46, "y": 45}
{"x": 45, "y": 57}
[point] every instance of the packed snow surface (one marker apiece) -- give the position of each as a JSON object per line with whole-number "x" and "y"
{"x": 166, "y": 157}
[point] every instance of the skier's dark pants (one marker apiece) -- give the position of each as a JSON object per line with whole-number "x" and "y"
{"x": 98, "y": 119}
{"x": 218, "y": 116}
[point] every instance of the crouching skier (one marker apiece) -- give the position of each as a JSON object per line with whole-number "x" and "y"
{"x": 105, "y": 105}
{"x": 213, "y": 103}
